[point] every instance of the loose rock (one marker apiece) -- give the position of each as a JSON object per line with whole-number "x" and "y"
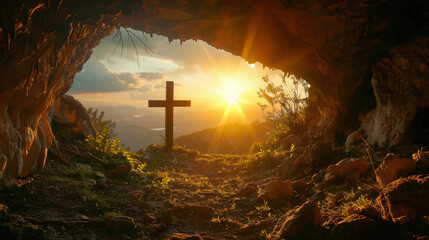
{"x": 405, "y": 199}
{"x": 302, "y": 222}
{"x": 120, "y": 222}
{"x": 100, "y": 175}
{"x": 393, "y": 167}
{"x": 349, "y": 167}
{"x": 276, "y": 189}
{"x": 247, "y": 191}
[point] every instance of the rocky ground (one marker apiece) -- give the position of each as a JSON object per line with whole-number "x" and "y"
{"x": 222, "y": 197}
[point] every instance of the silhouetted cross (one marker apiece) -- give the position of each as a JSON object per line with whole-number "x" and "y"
{"x": 169, "y": 104}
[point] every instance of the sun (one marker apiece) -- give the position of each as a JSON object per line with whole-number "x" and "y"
{"x": 230, "y": 90}
{"x": 231, "y": 96}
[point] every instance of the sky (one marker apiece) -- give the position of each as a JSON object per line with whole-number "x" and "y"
{"x": 211, "y": 78}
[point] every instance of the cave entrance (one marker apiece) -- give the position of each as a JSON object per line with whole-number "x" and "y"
{"x": 419, "y": 132}
{"x": 129, "y": 67}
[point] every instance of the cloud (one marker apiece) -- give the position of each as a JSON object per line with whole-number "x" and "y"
{"x": 96, "y": 78}
{"x": 151, "y": 76}
{"x": 170, "y": 61}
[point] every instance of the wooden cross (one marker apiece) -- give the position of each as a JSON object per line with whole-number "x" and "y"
{"x": 169, "y": 104}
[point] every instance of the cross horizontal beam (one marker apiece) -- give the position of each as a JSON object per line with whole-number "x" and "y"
{"x": 174, "y": 103}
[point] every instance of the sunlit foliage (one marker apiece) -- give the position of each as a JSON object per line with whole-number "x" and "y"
{"x": 106, "y": 145}
{"x": 284, "y": 107}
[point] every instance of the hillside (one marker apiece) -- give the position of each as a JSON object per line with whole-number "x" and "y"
{"x": 231, "y": 138}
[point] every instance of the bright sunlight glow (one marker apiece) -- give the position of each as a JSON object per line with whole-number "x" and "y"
{"x": 231, "y": 91}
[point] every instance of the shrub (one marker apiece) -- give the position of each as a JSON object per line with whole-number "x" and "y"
{"x": 284, "y": 106}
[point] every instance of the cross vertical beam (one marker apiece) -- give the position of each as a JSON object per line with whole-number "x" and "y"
{"x": 169, "y": 103}
{"x": 169, "y": 117}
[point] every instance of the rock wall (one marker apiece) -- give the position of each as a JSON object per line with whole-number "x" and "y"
{"x": 72, "y": 116}
{"x": 336, "y": 45}
{"x": 400, "y": 82}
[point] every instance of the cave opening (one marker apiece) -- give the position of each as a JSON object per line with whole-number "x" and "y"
{"x": 122, "y": 74}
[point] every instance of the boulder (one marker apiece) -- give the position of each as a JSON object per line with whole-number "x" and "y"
{"x": 318, "y": 154}
{"x": 349, "y": 168}
{"x": 405, "y": 199}
{"x": 302, "y": 222}
{"x": 276, "y": 189}
{"x": 393, "y": 167}
{"x": 120, "y": 222}
{"x": 422, "y": 161}
{"x": 72, "y": 114}
{"x": 357, "y": 227}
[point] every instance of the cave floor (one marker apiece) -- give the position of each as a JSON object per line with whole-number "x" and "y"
{"x": 68, "y": 202}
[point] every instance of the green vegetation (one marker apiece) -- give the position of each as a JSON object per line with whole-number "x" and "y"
{"x": 352, "y": 202}
{"x": 284, "y": 105}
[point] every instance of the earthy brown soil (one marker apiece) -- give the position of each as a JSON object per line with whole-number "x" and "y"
{"x": 201, "y": 199}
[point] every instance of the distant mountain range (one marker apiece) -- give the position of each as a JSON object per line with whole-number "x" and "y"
{"x": 139, "y": 127}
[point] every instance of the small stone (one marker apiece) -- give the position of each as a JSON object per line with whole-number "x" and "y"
{"x": 102, "y": 184}
{"x": 109, "y": 181}
{"x": 247, "y": 191}
{"x": 83, "y": 217}
{"x": 344, "y": 168}
{"x": 276, "y": 189}
{"x": 100, "y": 175}
{"x": 120, "y": 222}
